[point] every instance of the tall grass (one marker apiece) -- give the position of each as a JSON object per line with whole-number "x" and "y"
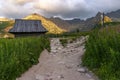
{"x": 103, "y": 53}
{"x": 17, "y": 55}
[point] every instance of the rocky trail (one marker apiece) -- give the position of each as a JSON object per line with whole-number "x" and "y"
{"x": 62, "y": 63}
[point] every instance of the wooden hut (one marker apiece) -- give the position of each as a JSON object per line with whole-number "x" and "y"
{"x": 27, "y": 28}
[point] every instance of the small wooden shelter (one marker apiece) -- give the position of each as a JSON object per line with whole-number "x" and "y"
{"x": 27, "y": 28}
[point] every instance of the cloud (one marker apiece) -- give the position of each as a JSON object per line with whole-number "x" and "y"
{"x": 76, "y": 8}
{"x": 104, "y": 5}
{"x": 62, "y": 8}
{"x": 20, "y": 2}
{"x": 15, "y": 8}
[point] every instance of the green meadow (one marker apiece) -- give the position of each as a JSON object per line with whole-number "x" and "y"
{"x": 19, "y": 54}
{"x": 102, "y": 54}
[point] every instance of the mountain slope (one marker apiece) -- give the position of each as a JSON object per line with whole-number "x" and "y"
{"x": 107, "y": 19}
{"x": 4, "y": 19}
{"x": 49, "y": 25}
{"x": 61, "y": 23}
{"x": 115, "y": 15}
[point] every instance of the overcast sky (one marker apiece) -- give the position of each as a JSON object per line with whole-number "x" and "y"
{"x": 63, "y": 8}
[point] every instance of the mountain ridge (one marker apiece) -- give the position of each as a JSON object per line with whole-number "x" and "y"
{"x": 75, "y": 24}
{"x": 81, "y": 25}
{"x": 115, "y": 15}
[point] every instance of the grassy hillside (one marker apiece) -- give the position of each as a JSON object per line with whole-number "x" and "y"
{"x": 4, "y": 19}
{"x": 103, "y": 53}
{"x": 3, "y": 25}
{"x": 49, "y": 25}
{"x": 4, "y": 28}
{"x": 17, "y": 55}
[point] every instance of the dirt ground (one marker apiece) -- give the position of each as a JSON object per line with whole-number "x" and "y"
{"x": 62, "y": 63}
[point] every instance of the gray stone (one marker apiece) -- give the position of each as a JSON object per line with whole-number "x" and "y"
{"x": 60, "y": 77}
{"x": 88, "y": 75}
{"x": 61, "y": 62}
{"x": 91, "y": 79}
{"x": 82, "y": 70}
{"x": 54, "y": 51}
{"x": 59, "y": 48}
{"x": 39, "y": 77}
{"x": 68, "y": 46}
{"x": 68, "y": 66}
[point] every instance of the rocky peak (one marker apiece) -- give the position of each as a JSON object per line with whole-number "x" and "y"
{"x": 99, "y": 14}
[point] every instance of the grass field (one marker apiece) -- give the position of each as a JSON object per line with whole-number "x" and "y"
{"x": 103, "y": 53}
{"x": 17, "y": 55}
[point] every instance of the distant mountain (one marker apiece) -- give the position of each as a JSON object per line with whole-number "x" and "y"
{"x": 78, "y": 24}
{"x": 49, "y": 25}
{"x": 74, "y": 21}
{"x": 70, "y": 25}
{"x": 61, "y": 23}
{"x": 115, "y": 15}
{"x": 91, "y": 22}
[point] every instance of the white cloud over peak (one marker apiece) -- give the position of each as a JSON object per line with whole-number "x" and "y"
{"x": 62, "y": 8}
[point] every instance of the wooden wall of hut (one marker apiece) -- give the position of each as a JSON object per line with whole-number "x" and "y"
{"x": 29, "y": 34}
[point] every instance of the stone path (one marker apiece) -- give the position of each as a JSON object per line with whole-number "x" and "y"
{"x": 62, "y": 63}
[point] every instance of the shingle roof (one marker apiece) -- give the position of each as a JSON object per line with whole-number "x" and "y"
{"x": 27, "y": 26}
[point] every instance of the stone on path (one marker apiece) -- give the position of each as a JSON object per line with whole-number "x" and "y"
{"x": 82, "y": 70}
